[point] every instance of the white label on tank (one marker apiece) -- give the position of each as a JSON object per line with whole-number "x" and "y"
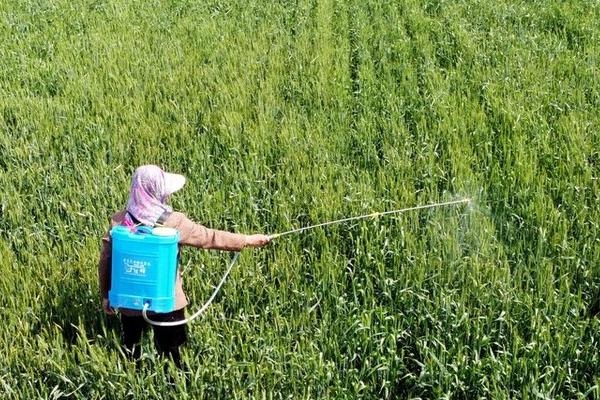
{"x": 135, "y": 267}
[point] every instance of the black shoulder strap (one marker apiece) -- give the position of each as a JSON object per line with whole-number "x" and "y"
{"x": 163, "y": 217}
{"x": 160, "y": 221}
{"x": 134, "y": 219}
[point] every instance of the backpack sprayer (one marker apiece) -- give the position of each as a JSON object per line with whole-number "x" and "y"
{"x": 144, "y": 268}
{"x": 145, "y": 259}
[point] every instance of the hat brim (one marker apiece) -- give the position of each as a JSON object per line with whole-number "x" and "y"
{"x": 173, "y": 182}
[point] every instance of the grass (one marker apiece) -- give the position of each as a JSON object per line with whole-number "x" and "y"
{"x": 291, "y": 113}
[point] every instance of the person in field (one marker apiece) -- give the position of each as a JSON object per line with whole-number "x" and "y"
{"x": 150, "y": 189}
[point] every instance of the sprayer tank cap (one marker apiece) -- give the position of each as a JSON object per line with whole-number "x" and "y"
{"x": 164, "y": 231}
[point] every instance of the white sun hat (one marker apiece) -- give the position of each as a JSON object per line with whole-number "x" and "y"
{"x": 173, "y": 182}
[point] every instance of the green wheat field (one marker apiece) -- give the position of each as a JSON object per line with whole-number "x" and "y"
{"x": 283, "y": 114}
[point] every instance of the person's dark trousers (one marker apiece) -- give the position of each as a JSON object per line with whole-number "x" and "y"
{"x": 167, "y": 339}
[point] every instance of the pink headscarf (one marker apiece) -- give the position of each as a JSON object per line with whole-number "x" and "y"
{"x": 150, "y": 187}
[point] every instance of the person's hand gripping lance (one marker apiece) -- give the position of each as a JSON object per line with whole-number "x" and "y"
{"x": 257, "y": 240}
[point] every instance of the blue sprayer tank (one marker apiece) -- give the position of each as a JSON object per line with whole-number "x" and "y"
{"x": 144, "y": 268}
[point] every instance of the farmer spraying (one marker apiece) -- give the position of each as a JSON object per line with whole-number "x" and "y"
{"x": 147, "y": 208}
